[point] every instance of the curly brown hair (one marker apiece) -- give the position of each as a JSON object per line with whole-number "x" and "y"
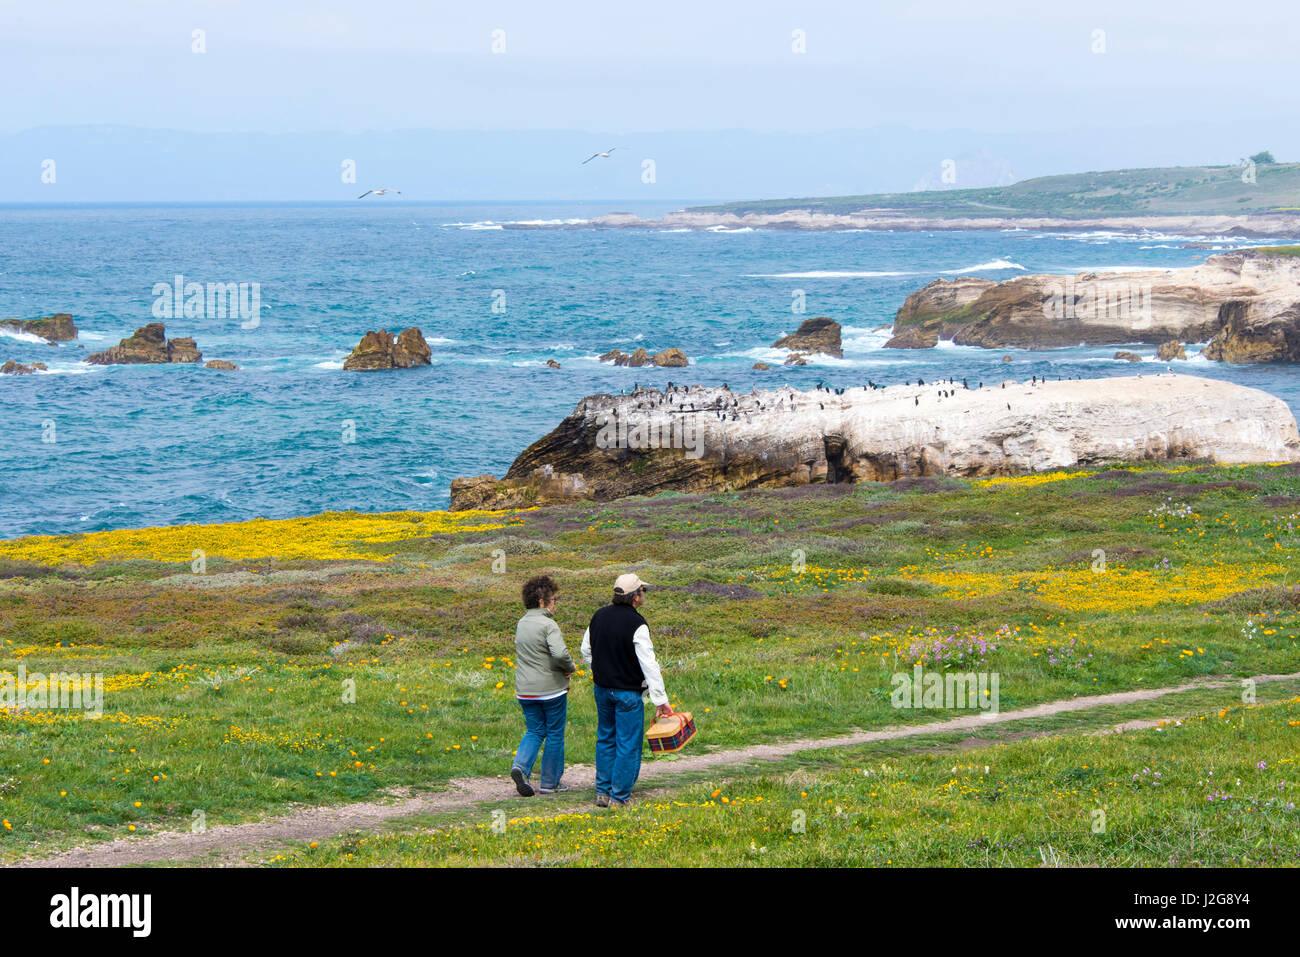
{"x": 538, "y": 590}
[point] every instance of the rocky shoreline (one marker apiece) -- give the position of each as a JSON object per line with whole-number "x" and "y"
{"x": 803, "y": 219}
{"x": 1245, "y": 304}
{"x": 695, "y": 439}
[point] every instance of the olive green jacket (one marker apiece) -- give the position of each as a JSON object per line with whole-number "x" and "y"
{"x": 542, "y": 663}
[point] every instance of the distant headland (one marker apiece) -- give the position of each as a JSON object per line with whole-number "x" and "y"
{"x": 1250, "y": 199}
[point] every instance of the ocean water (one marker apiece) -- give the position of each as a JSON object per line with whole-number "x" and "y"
{"x": 164, "y": 445}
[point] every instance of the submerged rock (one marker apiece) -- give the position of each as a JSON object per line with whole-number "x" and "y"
{"x": 148, "y": 345}
{"x": 18, "y": 368}
{"x": 380, "y": 350}
{"x": 702, "y": 440}
{"x": 220, "y": 364}
{"x": 669, "y": 358}
{"x": 1127, "y": 356}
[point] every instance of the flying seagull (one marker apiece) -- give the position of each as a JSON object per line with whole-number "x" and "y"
{"x": 380, "y": 192}
{"x": 594, "y": 155}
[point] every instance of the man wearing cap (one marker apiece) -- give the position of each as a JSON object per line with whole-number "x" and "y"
{"x": 617, "y": 647}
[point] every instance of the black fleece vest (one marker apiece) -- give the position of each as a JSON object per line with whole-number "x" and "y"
{"x": 613, "y": 655}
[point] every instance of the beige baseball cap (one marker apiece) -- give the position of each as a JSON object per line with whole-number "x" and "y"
{"x": 627, "y": 584}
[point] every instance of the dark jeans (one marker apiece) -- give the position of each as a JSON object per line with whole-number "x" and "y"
{"x": 620, "y": 722}
{"x": 543, "y": 721}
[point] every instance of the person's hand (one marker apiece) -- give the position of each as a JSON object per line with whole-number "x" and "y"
{"x": 663, "y": 711}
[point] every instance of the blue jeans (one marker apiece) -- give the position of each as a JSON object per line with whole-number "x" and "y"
{"x": 620, "y": 722}
{"x": 543, "y": 721}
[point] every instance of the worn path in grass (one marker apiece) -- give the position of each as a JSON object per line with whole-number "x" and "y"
{"x": 232, "y": 844}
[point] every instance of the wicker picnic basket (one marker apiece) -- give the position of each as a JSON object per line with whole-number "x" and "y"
{"x": 671, "y": 732}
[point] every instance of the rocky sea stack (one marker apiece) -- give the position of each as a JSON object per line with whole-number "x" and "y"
{"x": 148, "y": 344}
{"x": 814, "y": 336}
{"x": 672, "y": 358}
{"x": 701, "y": 440}
{"x": 1245, "y": 304}
{"x": 380, "y": 350}
{"x": 56, "y": 328}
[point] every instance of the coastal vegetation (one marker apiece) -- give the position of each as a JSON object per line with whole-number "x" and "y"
{"x": 1211, "y": 789}
{"x": 345, "y": 657}
{"x": 1160, "y": 191}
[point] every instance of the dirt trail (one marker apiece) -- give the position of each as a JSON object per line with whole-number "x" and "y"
{"x": 234, "y": 843}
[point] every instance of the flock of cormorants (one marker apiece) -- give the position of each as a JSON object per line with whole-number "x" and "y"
{"x": 675, "y": 396}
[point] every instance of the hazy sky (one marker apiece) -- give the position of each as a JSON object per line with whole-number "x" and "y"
{"x": 1034, "y": 87}
{"x": 284, "y": 65}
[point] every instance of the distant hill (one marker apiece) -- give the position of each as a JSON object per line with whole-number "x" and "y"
{"x": 1167, "y": 191}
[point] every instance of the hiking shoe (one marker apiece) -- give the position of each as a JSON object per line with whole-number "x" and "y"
{"x": 555, "y": 790}
{"x": 602, "y": 800}
{"x": 521, "y": 783}
{"x": 615, "y": 802}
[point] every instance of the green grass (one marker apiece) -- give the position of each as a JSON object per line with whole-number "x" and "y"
{"x": 1216, "y": 788}
{"x": 232, "y": 696}
{"x": 1161, "y": 191}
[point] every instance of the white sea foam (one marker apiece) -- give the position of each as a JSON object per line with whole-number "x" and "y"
{"x": 827, "y": 274}
{"x": 996, "y": 264}
{"x": 948, "y": 344}
{"x": 992, "y": 266}
{"x": 862, "y": 338}
{"x": 729, "y": 229}
{"x": 1117, "y": 269}
{"x": 1154, "y": 236}
{"x": 548, "y": 222}
{"x": 9, "y": 333}
{"x": 330, "y": 364}
{"x": 70, "y": 370}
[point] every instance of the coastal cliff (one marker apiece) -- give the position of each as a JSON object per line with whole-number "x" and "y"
{"x": 1245, "y": 304}
{"x": 694, "y": 439}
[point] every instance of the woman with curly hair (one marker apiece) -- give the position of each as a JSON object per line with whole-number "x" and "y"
{"x": 542, "y": 670}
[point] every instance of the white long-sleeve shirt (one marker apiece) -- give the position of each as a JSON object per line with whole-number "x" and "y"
{"x": 645, "y": 656}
